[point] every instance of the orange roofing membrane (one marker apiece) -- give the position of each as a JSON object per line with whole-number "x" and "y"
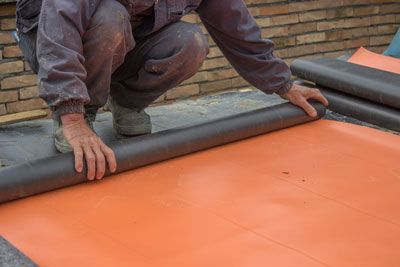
{"x": 373, "y": 60}
{"x": 321, "y": 194}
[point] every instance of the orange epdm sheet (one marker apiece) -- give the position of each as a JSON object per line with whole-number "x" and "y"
{"x": 373, "y": 60}
{"x": 321, "y": 194}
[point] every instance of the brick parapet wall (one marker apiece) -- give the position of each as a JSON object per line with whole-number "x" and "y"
{"x": 18, "y": 90}
{"x": 298, "y": 28}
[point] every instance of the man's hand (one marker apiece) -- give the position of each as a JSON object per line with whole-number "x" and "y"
{"x": 86, "y": 143}
{"x": 298, "y": 95}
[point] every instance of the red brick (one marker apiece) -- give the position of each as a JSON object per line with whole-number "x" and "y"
{"x": 8, "y": 96}
{"x": 323, "y": 4}
{"x": 273, "y": 10}
{"x": 285, "y": 19}
{"x": 11, "y": 67}
{"x": 345, "y": 34}
{"x": 214, "y": 52}
{"x": 254, "y": 11}
{"x": 339, "y": 13}
{"x": 377, "y": 49}
{"x": 333, "y": 35}
{"x": 301, "y": 50}
{"x": 356, "y": 43}
{"x": 3, "y": 109}
{"x": 357, "y": 22}
{"x": 312, "y": 16}
{"x": 275, "y": 32}
{"x": 302, "y": 6}
{"x": 333, "y": 54}
{"x": 200, "y": 76}
{"x": 392, "y": 8}
{"x": 215, "y": 63}
{"x": 18, "y": 81}
{"x": 29, "y": 92}
{"x": 160, "y": 99}
{"x": 25, "y": 105}
{"x": 239, "y": 82}
{"x": 387, "y": 29}
{"x": 281, "y": 53}
{"x": 330, "y": 25}
{"x": 382, "y": 1}
{"x": 366, "y": 10}
{"x": 6, "y": 38}
{"x": 358, "y": 2}
{"x": 383, "y": 19}
{"x": 302, "y": 28}
{"x": 7, "y": 24}
{"x": 192, "y": 18}
{"x": 264, "y": 22}
{"x": 12, "y": 51}
{"x": 7, "y": 10}
{"x": 381, "y": 40}
{"x": 215, "y": 86}
{"x": 310, "y": 38}
{"x": 331, "y": 46}
{"x": 210, "y": 40}
{"x": 278, "y": 20}
{"x": 261, "y": 1}
{"x": 282, "y": 42}
{"x": 221, "y": 74}
{"x": 183, "y": 91}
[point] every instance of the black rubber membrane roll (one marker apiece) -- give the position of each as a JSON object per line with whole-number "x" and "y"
{"x": 363, "y": 110}
{"x": 372, "y": 84}
{"x": 56, "y": 172}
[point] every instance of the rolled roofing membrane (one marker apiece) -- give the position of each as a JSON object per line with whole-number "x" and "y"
{"x": 56, "y": 172}
{"x": 368, "y": 83}
{"x": 323, "y": 193}
{"x": 363, "y": 110}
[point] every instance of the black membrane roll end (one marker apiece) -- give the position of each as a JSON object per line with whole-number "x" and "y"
{"x": 46, "y": 174}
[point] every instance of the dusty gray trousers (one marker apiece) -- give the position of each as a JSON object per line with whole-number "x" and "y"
{"x": 134, "y": 72}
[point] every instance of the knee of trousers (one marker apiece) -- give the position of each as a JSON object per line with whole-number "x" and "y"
{"x": 193, "y": 46}
{"x": 111, "y": 22}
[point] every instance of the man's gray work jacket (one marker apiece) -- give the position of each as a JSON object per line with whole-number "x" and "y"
{"x": 229, "y": 23}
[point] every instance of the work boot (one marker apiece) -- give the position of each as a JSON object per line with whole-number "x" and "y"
{"x": 61, "y": 143}
{"x": 128, "y": 121}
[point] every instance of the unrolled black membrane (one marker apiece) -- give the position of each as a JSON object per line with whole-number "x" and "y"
{"x": 46, "y": 174}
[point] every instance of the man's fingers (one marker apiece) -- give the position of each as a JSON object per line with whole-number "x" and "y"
{"x": 90, "y": 161}
{"x": 100, "y": 161}
{"x": 299, "y": 95}
{"x": 110, "y": 156}
{"x": 316, "y": 95}
{"x": 78, "y": 153}
{"x": 310, "y": 110}
{"x": 87, "y": 146}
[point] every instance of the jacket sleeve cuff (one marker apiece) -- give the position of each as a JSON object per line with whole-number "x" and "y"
{"x": 286, "y": 88}
{"x": 69, "y": 107}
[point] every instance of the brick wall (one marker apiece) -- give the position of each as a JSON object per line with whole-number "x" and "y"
{"x": 307, "y": 28}
{"x": 18, "y": 90}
